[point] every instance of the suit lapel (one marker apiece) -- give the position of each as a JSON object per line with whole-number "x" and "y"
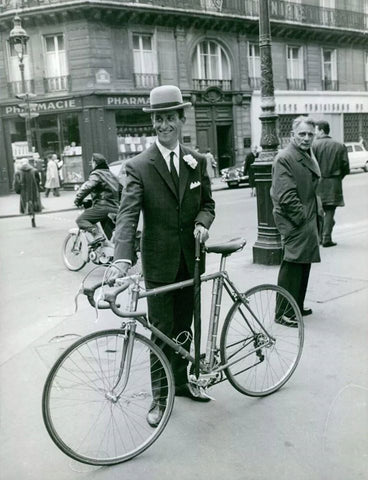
{"x": 183, "y": 175}
{"x": 161, "y": 167}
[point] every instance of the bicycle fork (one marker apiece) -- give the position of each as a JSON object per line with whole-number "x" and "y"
{"x": 125, "y": 363}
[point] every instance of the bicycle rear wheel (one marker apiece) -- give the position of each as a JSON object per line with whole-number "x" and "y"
{"x": 75, "y": 251}
{"x": 85, "y": 416}
{"x": 263, "y": 352}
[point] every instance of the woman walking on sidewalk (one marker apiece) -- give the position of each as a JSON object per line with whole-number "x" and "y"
{"x": 26, "y": 183}
{"x": 52, "y": 178}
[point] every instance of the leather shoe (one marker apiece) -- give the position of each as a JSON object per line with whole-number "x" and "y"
{"x": 155, "y": 414}
{"x": 306, "y": 312}
{"x": 329, "y": 244}
{"x": 286, "y": 321}
{"x": 191, "y": 391}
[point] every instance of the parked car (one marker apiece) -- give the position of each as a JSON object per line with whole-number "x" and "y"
{"x": 358, "y": 155}
{"x": 234, "y": 176}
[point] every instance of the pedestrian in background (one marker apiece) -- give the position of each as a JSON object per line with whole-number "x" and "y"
{"x": 211, "y": 164}
{"x": 59, "y": 164}
{"x": 52, "y": 178}
{"x": 332, "y": 157}
{"x": 26, "y": 183}
{"x": 297, "y": 212}
{"x": 249, "y": 160}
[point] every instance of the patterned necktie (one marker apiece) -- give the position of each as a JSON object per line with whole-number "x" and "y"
{"x": 174, "y": 174}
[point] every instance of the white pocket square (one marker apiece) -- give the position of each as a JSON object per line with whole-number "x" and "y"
{"x": 194, "y": 185}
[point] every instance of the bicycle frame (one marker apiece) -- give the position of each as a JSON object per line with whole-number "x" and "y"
{"x": 220, "y": 280}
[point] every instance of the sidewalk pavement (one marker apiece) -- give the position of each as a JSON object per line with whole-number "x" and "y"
{"x": 9, "y": 204}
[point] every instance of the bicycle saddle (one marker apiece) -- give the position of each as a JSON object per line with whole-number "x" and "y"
{"x": 227, "y": 248}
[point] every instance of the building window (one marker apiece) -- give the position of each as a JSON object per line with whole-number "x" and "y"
{"x": 366, "y": 69}
{"x": 329, "y": 70}
{"x": 210, "y": 66}
{"x": 254, "y": 66}
{"x": 15, "y": 79}
{"x": 145, "y": 61}
{"x": 295, "y": 68}
{"x": 56, "y": 69}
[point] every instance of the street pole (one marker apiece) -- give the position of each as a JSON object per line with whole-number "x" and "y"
{"x": 28, "y": 110}
{"x": 18, "y": 39}
{"x": 267, "y": 249}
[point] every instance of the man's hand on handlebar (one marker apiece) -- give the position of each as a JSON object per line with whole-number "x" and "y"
{"x": 201, "y": 232}
{"x": 117, "y": 271}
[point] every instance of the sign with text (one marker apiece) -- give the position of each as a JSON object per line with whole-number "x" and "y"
{"x": 45, "y": 107}
{"x": 127, "y": 101}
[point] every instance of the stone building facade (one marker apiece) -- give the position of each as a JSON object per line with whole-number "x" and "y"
{"x": 91, "y": 65}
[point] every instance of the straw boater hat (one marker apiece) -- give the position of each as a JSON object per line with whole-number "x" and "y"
{"x": 164, "y": 98}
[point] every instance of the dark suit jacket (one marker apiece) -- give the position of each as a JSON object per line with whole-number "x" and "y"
{"x": 168, "y": 221}
{"x": 295, "y": 177}
{"x": 333, "y": 161}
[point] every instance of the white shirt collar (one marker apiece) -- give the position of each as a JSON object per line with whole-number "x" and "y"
{"x": 165, "y": 152}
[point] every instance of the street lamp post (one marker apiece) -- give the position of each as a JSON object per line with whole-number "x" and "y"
{"x": 267, "y": 249}
{"x": 18, "y": 39}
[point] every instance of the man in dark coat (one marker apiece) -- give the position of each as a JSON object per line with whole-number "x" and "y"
{"x": 248, "y": 170}
{"x": 105, "y": 191}
{"x": 332, "y": 157}
{"x": 297, "y": 209}
{"x": 169, "y": 183}
{"x": 26, "y": 183}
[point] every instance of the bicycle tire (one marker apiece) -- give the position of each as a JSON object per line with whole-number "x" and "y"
{"x": 81, "y": 418}
{"x": 268, "y": 368}
{"x": 70, "y": 254}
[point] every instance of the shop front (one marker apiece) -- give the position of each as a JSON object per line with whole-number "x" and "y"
{"x": 346, "y": 112}
{"x": 54, "y": 129}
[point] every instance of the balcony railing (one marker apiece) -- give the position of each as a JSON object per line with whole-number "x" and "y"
{"x": 280, "y": 10}
{"x": 15, "y": 88}
{"x": 295, "y": 83}
{"x": 204, "y": 83}
{"x": 57, "y": 84}
{"x": 330, "y": 84}
{"x": 146, "y": 80}
{"x": 255, "y": 83}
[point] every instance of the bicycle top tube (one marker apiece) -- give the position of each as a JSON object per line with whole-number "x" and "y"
{"x": 225, "y": 249}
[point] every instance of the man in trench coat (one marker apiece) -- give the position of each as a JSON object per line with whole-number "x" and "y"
{"x": 297, "y": 211}
{"x": 333, "y": 161}
{"x": 169, "y": 183}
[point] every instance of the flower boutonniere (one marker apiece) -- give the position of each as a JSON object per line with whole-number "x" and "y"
{"x": 191, "y": 161}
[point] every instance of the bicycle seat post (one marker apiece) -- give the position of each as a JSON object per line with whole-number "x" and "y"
{"x": 215, "y": 313}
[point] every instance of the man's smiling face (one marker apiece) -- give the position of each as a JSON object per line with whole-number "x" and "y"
{"x": 168, "y": 126}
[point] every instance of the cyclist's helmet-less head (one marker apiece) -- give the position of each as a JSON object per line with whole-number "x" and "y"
{"x": 99, "y": 161}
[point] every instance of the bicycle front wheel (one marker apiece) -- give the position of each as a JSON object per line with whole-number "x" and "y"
{"x": 262, "y": 351}
{"x": 75, "y": 251}
{"x": 86, "y": 414}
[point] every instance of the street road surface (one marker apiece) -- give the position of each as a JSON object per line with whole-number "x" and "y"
{"x": 315, "y": 428}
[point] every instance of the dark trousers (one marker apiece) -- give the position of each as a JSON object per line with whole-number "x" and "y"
{"x": 55, "y": 192}
{"x": 172, "y": 313}
{"x": 88, "y": 219}
{"x": 328, "y": 222}
{"x": 294, "y": 278}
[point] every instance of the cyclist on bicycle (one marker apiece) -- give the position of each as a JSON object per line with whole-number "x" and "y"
{"x": 105, "y": 191}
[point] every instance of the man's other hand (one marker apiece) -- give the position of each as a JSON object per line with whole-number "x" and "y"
{"x": 202, "y": 232}
{"x": 117, "y": 271}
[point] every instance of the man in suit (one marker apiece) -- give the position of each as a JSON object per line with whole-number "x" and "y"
{"x": 332, "y": 157}
{"x": 169, "y": 183}
{"x": 297, "y": 210}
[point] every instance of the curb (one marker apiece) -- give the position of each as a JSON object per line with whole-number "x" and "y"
{"x": 14, "y": 215}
